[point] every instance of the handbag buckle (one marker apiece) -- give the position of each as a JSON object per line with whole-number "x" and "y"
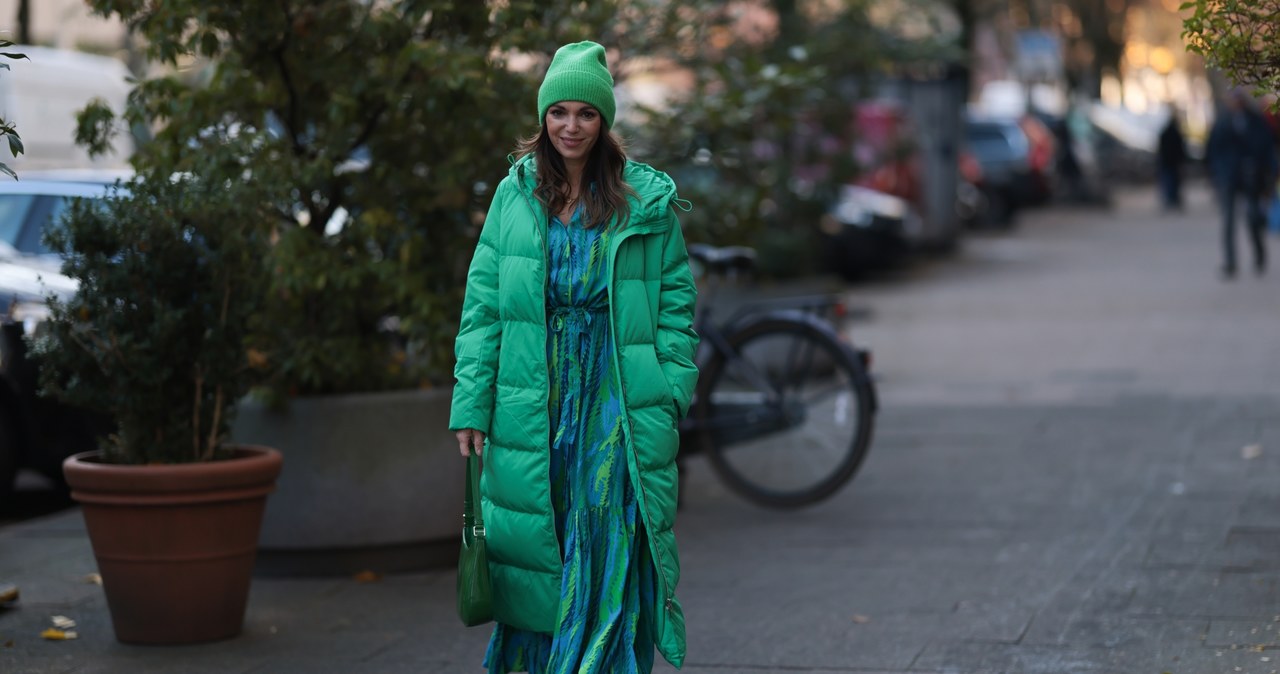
{"x": 477, "y": 531}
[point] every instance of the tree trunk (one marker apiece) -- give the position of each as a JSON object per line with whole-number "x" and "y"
{"x": 968, "y": 21}
{"x": 24, "y": 21}
{"x": 1104, "y": 29}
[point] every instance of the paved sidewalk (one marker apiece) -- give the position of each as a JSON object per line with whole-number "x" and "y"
{"x": 1075, "y": 472}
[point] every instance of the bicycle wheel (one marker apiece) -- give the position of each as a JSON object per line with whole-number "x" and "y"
{"x": 786, "y": 417}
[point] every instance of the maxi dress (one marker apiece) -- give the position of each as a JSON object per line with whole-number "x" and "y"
{"x": 607, "y": 584}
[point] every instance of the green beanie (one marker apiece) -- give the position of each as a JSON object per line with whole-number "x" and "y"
{"x": 578, "y": 72}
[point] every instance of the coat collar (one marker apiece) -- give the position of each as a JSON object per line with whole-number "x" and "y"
{"x": 655, "y": 191}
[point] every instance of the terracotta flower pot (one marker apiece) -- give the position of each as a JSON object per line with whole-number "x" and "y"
{"x": 175, "y": 544}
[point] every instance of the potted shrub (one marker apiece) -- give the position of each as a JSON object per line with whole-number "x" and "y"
{"x": 374, "y": 126}
{"x": 154, "y": 339}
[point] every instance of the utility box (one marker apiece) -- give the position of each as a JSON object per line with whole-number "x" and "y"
{"x": 934, "y": 98}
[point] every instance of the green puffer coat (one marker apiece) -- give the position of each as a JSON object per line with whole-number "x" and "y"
{"x": 503, "y": 388}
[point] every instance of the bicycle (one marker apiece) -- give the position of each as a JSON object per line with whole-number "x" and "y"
{"x": 784, "y": 409}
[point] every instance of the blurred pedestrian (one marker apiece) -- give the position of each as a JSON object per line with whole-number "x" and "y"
{"x": 1171, "y": 154}
{"x": 1242, "y": 161}
{"x": 574, "y": 365}
{"x": 1068, "y": 163}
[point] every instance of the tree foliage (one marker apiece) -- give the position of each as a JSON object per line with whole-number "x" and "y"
{"x": 375, "y": 132}
{"x": 1239, "y": 37}
{"x": 369, "y": 137}
{"x": 762, "y": 142}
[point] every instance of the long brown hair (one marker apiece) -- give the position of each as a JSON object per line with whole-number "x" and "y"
{"x": 603, "y": 191}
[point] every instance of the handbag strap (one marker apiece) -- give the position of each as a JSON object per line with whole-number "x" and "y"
{"x": 472, "y": 518}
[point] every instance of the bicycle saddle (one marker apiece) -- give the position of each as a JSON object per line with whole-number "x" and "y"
{"x": 726, "y": 259}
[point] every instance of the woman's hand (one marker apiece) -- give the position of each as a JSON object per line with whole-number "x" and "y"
{"x": 468, "y": 438}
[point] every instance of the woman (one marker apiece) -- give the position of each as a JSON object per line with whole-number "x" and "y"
{"x": 575, "y": 363}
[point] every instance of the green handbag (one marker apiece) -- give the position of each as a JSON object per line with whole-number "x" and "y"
{"x": 475, "y": 593}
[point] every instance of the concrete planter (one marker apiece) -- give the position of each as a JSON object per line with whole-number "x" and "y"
{"x": 374, "y": 482}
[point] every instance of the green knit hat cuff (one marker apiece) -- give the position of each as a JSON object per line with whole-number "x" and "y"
{"x": 578, "y": 72}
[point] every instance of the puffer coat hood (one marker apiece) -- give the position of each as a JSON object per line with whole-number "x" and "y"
{"x": 502, "y": 388}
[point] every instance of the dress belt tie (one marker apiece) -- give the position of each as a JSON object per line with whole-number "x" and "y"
{"x": 582, "y": 315}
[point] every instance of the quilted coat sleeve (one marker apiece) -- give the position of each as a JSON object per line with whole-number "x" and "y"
{"x": 480, "y": 333}
{"x": 676, "y": 339}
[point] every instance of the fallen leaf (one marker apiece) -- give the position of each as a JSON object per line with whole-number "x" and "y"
{"x": 1251, "y": 451}
{"x": 8, "y": 644}
{"x": 861, "y": 619}
{"x": 53, "y": 634}
{"x": 93, "y": 579}
{"x": 62, "y": 622}
{"x": 368, "y": 577}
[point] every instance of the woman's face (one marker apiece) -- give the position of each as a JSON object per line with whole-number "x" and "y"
{"x": 574, "y": 128}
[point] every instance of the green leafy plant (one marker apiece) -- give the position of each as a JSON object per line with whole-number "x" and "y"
{"x": 1239, "y": 37}
{"x": 7, "y": 130}
{"x": 155, "y": 337}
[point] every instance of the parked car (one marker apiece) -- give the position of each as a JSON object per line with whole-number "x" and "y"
{"x": 997, "y": 159}
{"x": 1126, "y": 142}
{"x": 35, "y": 432}
{"x": 866, "y": 230}
{"x": 47, "y": 92}
{"x": 1080, "y": 177}
{"x": 979, "y": 203}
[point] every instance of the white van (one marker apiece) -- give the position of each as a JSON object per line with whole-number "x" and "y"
{"x": 42, "y": 96}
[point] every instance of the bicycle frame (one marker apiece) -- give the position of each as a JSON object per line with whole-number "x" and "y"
{"x": 815, "y": 310}
{"x": 755, "y": 367}
{"x": 714, "y": 340}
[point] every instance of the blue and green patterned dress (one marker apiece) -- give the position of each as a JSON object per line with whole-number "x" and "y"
{"x": 607, "y": 587}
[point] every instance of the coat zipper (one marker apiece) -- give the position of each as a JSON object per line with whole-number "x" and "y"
{"x": 643, "y": 494}
{"x": 546, "y": 265}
